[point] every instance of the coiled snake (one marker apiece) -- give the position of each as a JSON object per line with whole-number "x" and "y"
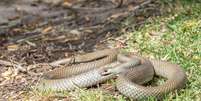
{"x": 132, "y": 71}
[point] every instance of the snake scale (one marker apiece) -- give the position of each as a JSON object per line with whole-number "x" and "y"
{"x": 133, "y": 71}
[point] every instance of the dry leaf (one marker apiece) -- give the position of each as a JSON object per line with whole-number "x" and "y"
{"x": 87, "y": 18}
{"x": 69, "y": 3}
{"x": 131, "y": 7}
{"x": 13, "y": 47}
{"x": 114, "y": 16}
{"x": 7, "y": 73}
{"x": 47, "y": 29}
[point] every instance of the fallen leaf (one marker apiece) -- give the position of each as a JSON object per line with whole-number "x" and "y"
{"x": 118, "y": 15}
{"x": 13, "y": 47}
{"x": 47, "y": 29}
{"x": 7, "y": 73}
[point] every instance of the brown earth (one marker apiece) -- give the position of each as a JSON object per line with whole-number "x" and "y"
{"x": 36, "y": 32}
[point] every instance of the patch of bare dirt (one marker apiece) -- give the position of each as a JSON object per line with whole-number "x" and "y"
{"x": 36, "y": 32}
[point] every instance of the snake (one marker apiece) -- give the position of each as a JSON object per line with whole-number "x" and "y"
{"x": 131, "y": 71}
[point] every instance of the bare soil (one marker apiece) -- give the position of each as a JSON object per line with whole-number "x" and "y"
{"x": 34, "y": 33}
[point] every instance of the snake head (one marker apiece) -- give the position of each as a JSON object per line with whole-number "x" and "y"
{"x": 105, "y": 72}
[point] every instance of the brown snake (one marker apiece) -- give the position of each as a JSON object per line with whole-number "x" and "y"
{"x": 132, "y": 72}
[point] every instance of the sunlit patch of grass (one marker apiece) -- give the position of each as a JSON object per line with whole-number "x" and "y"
{"x": 176, "y": 38}
{"x": 80, "y": 94}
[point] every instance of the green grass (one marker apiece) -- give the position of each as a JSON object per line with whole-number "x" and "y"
{"x": 175, "y": 37}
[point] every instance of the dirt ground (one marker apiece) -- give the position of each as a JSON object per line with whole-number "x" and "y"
{"x": 36, "y": 32}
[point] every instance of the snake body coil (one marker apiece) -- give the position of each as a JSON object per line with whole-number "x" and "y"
{"x": 129, "y": 84}
{"x": 130, "y": 76}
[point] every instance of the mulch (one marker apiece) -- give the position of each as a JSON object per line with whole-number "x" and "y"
{"x": 36, "y": 32}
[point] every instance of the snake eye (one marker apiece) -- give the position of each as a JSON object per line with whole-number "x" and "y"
{"x": 105, "y": 72}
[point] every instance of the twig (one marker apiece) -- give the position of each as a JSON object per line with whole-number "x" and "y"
{"x": 142, "y": 4}
{"x": 6, "y": 63}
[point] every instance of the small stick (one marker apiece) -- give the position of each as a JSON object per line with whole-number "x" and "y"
{"x": 6, "y": 63}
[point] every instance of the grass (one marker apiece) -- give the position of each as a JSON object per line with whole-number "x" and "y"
{"x": 175, "y": 37}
